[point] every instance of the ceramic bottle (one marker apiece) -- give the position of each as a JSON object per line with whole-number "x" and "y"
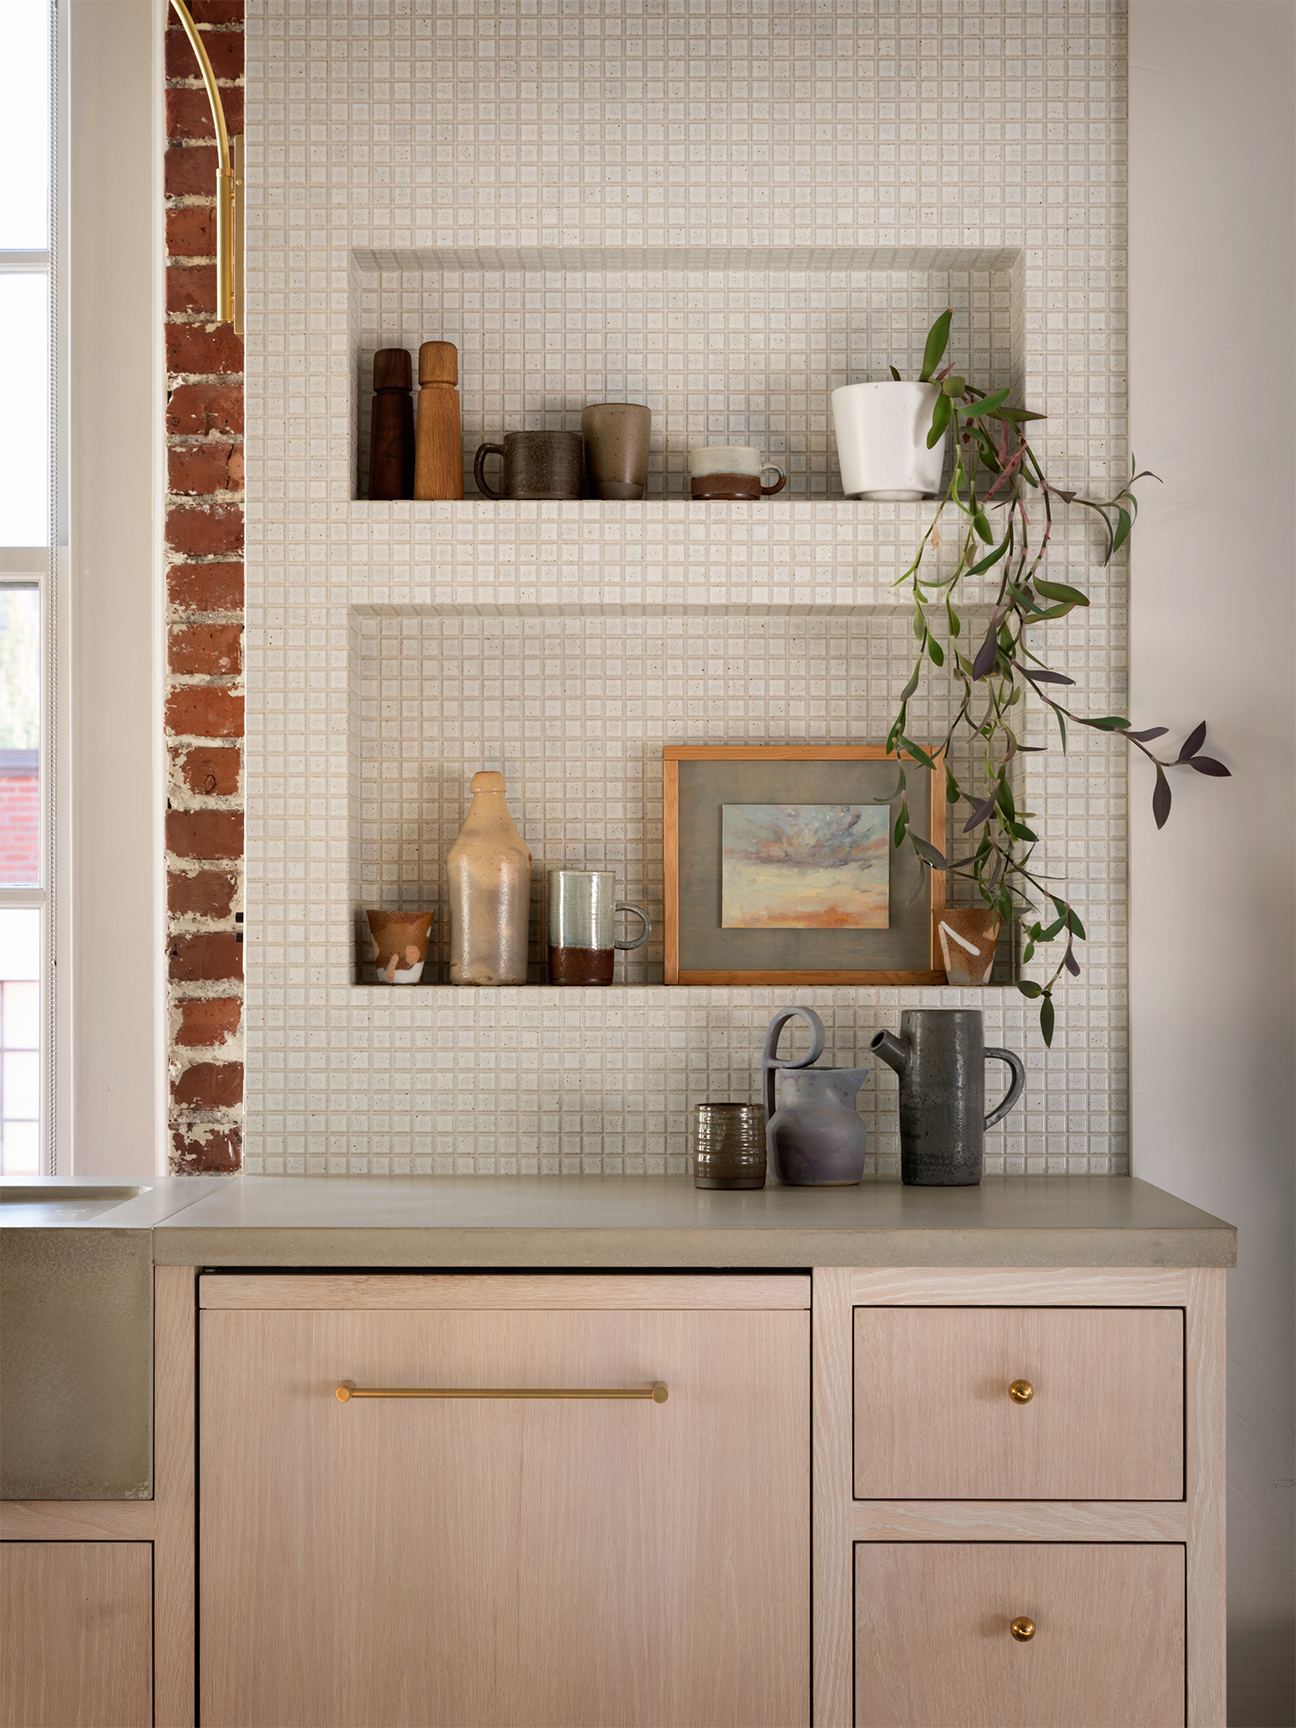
{"x": 489, "y": 872}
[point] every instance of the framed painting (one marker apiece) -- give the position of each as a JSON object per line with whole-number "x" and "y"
{"x": 779, "y": 867}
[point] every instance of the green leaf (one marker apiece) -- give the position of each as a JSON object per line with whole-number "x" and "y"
{"x": 902, "y": 823}
{"x": 1046, "y": 1019}
{"x": 936, "y": 651}
{"x": 992, "y": 557}
{"x": 1060, "y": 591}
{"x": 940, "y": 420}
{"x": 1029, "y": 954}
{"x": 955, "y": 622}
{"x": 911, "y": 686}
{"x": 987, "y": 404}
{"x": 954, "y": 387}
{"x": 937, "y": 337}
{"x": 982, "y": 526}
{"x": 1124, "y": 522}
{"x": 1029, "y": 988}
{"x": 895, "y": 375}
{"x": 1004, "y": 799}
{"x": 1110, "y": 723}
{"x": 1061, "y": 720}
{"x": 917, "y": 751}
{"x": 951, "y": 786}
{"x": 1018, "y": 415}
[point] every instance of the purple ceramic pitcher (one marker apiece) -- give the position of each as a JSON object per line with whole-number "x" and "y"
{"x": 815, "y": 1139}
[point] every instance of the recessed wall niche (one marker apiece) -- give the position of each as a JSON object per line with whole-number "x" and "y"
{"x": 574, "y": 711}
{"x": 725, "y": 345}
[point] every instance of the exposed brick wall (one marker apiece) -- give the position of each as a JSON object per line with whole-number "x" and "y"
{"x": 204, "y": 543}
{"x": 19, "y": 826}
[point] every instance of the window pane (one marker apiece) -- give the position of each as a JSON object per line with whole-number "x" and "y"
{"x": 19, "y": 737}
{"x": 24, "y": 425}
{"x": 19, "y": 1040}
{"x": 25, "y": 126}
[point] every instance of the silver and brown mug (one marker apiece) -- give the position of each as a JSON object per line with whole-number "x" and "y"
{"x": 582, "y": 907}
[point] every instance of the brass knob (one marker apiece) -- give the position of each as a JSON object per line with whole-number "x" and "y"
{"x": 1021, "y": 1392}
{"x": 1023, "y": 1628}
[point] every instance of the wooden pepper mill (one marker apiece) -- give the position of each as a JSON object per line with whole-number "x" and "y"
{"x": 391, "y": 427}
{"x": 438, "y": 462}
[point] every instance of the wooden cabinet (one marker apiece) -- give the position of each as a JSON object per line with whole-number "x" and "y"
{"x": 504, "y": 1559}
{"x": 1019, "y": 1403}
{"x": 1099, "y": 1640}
{"x": 76, "y": 1634}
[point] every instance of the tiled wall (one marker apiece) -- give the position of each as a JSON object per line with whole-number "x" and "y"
{"x": 500, "y": 175}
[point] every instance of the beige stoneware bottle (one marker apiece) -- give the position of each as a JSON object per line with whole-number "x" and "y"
{"x": 489, "y": 873}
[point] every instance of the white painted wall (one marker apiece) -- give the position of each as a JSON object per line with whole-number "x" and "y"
{"x": 110, "y": 712}
{"x": 1213, "y": 934}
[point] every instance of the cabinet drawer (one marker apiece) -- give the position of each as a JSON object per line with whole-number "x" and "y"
{"x": 934, "y": 1418}
{"x": 934, "y": 1645}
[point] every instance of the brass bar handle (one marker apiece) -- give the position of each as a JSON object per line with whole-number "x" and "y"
{"x": 1023, "y": 1628}
{"x": 347, "y": 1390}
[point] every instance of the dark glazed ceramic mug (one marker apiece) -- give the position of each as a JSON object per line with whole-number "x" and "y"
{"x": 536, "y": 465}
{"x": 728, "y": 1146}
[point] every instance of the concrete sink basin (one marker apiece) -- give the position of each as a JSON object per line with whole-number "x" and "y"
{"x": 66, "y": 1203}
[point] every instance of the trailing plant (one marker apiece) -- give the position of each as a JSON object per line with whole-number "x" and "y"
{"x": 996, "y": 473}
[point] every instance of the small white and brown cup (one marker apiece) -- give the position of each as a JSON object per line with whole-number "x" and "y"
{"x": 731, "y": 471}
{"x": 400, "y": 944}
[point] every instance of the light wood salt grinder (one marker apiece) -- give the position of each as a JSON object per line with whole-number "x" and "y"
{"x": 438, "y": 458}
{"x": 391, "y": 427}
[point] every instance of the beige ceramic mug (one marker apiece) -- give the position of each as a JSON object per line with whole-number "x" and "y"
{"x": 731, "y": 471}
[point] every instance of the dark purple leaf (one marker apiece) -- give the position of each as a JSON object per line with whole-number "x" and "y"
{"x": 1193, "y": 742}
{"x": 1208, "y": 765}
{"x": 1071, "y": 963}
{"x": 927, "y": 852}
{"x": 1160, "y": 798}
{"x": 1039, "y": 676}
{"x": 1046, "y": 1019}
{"x": 980, "y": 814}
{"x": 987, "y": 654}
{"x": 1151, "y": 733}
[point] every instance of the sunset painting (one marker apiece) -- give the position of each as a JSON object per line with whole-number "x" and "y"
{"x": 805, "y": 867}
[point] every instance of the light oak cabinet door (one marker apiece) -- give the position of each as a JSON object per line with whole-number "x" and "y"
{"x": 934, "y": 1418}
{"x": 76, "y": 1634}
{"x": 504, "y": 1561}
{"x": 934, "y": 1646}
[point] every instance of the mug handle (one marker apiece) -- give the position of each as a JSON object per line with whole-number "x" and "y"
{"x": 479, "y": 468}
{"x": 769, "y": 491}
{"x": 644, "y": 934}
{"x": 1014, "y": 1092}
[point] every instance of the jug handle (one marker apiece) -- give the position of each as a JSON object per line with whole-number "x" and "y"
{"x": 769, "y": 1057}
{"x": 1014, "y": 1092}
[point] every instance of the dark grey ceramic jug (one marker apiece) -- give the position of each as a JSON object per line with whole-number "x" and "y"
{"x": 940, "y": 1057}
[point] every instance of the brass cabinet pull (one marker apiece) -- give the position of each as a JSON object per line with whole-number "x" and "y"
{"x": 1021, "y": 1392}
{"x": 1023, "y": 1628}
{"x": 347, "y": 1390}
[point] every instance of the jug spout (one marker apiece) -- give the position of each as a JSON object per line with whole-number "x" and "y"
{"x": 894, "y": 1053}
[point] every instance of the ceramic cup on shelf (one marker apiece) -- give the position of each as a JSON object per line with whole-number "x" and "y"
{"x": 400, "y": 944}
{"x": 733, "y": 471}
{"x": 967, "y": 937}
{"x": 536, "y": 465}
{"x": 582, "y": 906}
{"x": 728, "y": 1146}
{"x": 616, "y": 438}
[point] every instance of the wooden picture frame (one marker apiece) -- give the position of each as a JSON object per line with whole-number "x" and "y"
{"x": 681, "y": 921}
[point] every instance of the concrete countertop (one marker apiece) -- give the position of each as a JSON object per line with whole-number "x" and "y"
{"x": 664, "y": 1222}
{"x": 72, "y": 1203}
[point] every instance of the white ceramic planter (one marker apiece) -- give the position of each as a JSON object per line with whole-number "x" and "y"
{"x": 882, "y": 440}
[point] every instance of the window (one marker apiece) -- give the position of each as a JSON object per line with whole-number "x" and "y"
{"x": 27, "y": 570}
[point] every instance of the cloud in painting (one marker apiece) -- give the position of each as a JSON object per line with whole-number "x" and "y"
{"x": 805, "y": 867}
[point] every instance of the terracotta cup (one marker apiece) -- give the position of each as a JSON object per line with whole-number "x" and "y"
{"x": 536, "y": 465}
{"x": 967, "y": 937}
{"x": 616, "y": 438}
{"x": 400, "y": 944}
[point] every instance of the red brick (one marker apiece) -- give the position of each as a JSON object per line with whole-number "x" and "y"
{"x": 190, "y": 170}
{"x": 204, "y": 833}
{"x": 208, "y": 957}
{"x": 205, "y": 468}
{"x": 189, "y": 115}
{"x": 206, "y": 894}
{"x": 206, "y": 1152}
{"x": 191, "y": 232}
{"x": 209, "y": 1086}
{"x": 193, "y": 409}
{"x": 206, "y": 587}
{"x": 204, "y": 711}
{"x": 204, "y": 350}
{"x": 205, "y": 648}
{"x": 191, "y": 288}
{"x": 224, "y": 50}
{"x": 202, "y": 530}
{"x": 208, "y": 1020}
{"x": 210, "y": 12}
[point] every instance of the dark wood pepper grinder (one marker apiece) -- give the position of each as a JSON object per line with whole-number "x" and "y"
{"x": 391, "y": 427}
{"x": 438, "y": 461}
